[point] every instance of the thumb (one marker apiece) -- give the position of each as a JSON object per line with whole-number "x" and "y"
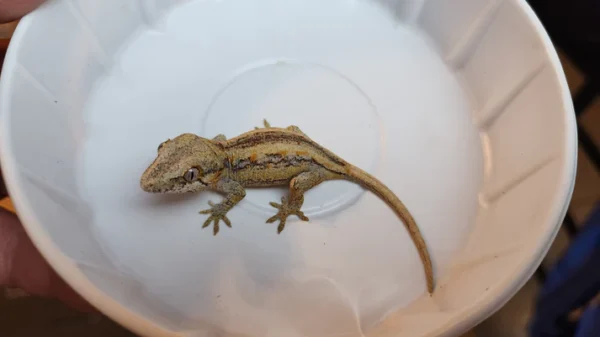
{"x": 11, "y": 10}
{"x": 21, "y": 265}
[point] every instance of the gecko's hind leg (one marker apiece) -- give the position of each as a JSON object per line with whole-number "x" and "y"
{"x": 265, "y": 123}
{"x": 292, "y": 204}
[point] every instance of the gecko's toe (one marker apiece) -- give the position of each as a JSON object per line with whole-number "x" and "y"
{"x": 276, "y": 205}
{"x": 282, "y": 219}
{"x": 226, "y": 221}
{"x": 301, "y": 215}
{"x": 207, "y": 222}
{"x": 281, "y": 226}
{"x": 273, "y": 218}
{"x": 210, "y": 210}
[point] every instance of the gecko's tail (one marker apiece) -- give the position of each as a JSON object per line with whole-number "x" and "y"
{"x": 372, "y": 184}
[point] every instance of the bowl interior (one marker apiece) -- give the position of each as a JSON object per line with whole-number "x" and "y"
{"x": 460, "y": 108}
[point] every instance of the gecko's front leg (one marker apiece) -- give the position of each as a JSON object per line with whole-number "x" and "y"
{"x": 292, "y": 204}
{"x": 234, "y": 194}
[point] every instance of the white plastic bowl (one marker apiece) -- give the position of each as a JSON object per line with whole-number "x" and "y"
{"x": 460, "y": 106}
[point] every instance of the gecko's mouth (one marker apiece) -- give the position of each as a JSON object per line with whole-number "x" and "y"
{"x": 148, "y": 186}
{"x": 175, "y": 186}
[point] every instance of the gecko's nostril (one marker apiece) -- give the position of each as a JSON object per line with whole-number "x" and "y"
{"x": 144, "y": 185}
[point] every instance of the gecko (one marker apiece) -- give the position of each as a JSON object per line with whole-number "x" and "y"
{"x": 263, "y": 157}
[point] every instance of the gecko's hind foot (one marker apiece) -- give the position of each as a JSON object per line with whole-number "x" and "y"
{"x": 285, "y": 210}
{"x": 217, "y": 213}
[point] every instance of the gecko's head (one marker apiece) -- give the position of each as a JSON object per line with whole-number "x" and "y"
{"x": 187, "y": 163}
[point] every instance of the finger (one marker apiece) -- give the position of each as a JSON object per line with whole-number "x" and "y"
{"x": 11, "y": 233}
{"x": 24, "y": 267}
{"x": 272, "y": 219}
{"x": 3, "y": 191}
{"x": 276, "y": 205}
{"x": 14, "y": 10}
{"x": 67, "y": 295}
{"x": 207, "y": 222}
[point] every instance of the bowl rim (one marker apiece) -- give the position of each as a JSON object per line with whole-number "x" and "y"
{"x": 467, "y": 318}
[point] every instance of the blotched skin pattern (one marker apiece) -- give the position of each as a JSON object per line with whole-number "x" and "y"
{"x": 263, "y": 157}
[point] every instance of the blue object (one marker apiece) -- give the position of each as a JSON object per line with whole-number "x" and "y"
{"x": 571, "y": 284}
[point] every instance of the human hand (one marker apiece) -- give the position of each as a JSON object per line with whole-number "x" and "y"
{"x": 11, "y": 10}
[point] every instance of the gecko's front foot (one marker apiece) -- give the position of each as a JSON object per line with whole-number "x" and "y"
{"x": 285, "y": 209}
{"x": 217, "y": 212}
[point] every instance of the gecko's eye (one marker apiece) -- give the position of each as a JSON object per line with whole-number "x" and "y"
{"x": 191, "y": 175}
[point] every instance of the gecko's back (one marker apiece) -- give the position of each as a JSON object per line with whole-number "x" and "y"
{"x": 273, "y": 156}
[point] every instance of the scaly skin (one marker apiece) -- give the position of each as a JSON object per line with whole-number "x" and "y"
{"x": 263, "y": 158}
